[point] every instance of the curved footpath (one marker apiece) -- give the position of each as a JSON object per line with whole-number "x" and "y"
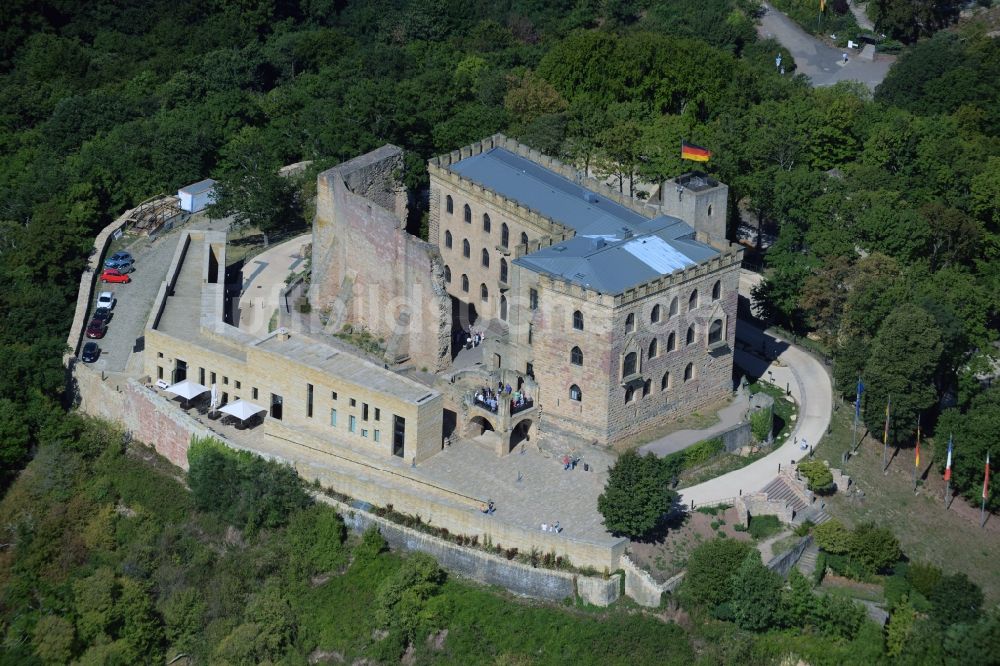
{"x": 810, "y": 386}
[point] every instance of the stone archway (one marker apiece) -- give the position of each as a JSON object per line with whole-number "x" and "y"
{"x": 478, "y": 425}
{"x": 522, "y": 432}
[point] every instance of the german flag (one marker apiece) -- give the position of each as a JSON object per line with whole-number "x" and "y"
{"x": 689, "y": 151}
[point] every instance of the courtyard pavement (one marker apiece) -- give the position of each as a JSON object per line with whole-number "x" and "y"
{"x": 264, "y": 278}
{"x": 822, "y": 63}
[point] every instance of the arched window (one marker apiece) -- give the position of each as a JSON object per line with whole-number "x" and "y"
{"x": 646, "y": 386}
{"x": 484, "y": 293}
{"x": 665, "y": 381}
{"x": 654, "y": 316}
{"x": 467, "y": 214}
{"x": 503, "y": 307}
{"x": 710, "y": 210}
{"x": 486, "y": 222}
{"x": 715, "y": 332}
{"x": 671, "y": 342}
{"x": 504, "y": 235}
{"x": 717, "y": 290}
{"x": 578, "y": 320}
{"x": 693, "y": 300}
{"x": 447, "y": 239}
{"x": 575, "y": 394}
{"x": 689, "y": 372}
{"x": 673, "y": 307}
{"x": 629, "y": 395}
{"x": 466, "y": 248}
{"x": 503, "y": 270}
{"x": 486, "y": 258}
{"x": 449, "y": 204}
{"x": 628, "y": 366}
{"x": 630, "y": 323}
{"x": 465, "y": 282}
{"x": 524, "y": 238}
{"x": 576, "y": 356}
{"x": 653, "y": 349}
{"x": 690, "y": 335}
{"x": 447, "y": 274}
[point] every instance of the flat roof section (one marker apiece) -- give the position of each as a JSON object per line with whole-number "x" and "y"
{"x": 548, "y": 193}
{"x": 342, "y": 365}
{"x": 197, "y": 188}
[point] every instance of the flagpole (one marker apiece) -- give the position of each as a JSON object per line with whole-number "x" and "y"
{"x": 947, "y": 473}
{"x": 986, "y": 487}
{"x": 857, "y": 406}
{"x": 916, "y": 455}
{"x": 885, "y": 438}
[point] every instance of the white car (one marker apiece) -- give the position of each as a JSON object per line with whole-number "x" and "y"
{"x": 106, "y": 299}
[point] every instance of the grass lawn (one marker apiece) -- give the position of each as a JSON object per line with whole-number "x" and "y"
{"x": 948, "y": 538}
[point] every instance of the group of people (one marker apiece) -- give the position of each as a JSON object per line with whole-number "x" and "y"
{"x": 488, "y": 507}
{"x": 490, "y": 398}
{"x": 469, "y": 338}
{"x": 554, "y": 527}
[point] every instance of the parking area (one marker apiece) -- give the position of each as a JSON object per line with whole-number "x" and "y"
{"x": 135, "y": 299}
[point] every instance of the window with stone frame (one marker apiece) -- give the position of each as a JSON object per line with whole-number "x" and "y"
{"x": 486, "y": 222}
{"x": 629, "y": 395}
{"x": 449, "y": 204}
{"x": 689, "y": 372}
{"x": 715, "y": 332}
{"x": 447, "y": 274}
{"x": 575, "y": 394}
{"x": 653, "y": 349}
{"x": 524, "y": 238}
{"x": 672, "y": 312}
{"x": 693, "y": 300}
{"x": 630, "y": 322}
{"x": 484, "y": 293}
{"x": 448, "y": 240}
{"x": 465, "y": 282}
{"x": 533, "y": 299}
{"x": 576, "y": 356}
{"x": 646, "y": 387}
{"x": 717, "y": 290}
{"x": 654, "y": 316}
{"x": 503, "y": 270}
{"x": 665, "y": 381}
{"x": 671, "y": 341}
{"x": 504, "y": 235}
{"x": 467, "y": 214}
{"x": 690, "y": 335}
{"x": 486, "y": 258}
{"x": 630, "y": 364}
{"x": 578, "y": 320}
{"x": 503, "y": 307}
{"x": 466, "y": 248}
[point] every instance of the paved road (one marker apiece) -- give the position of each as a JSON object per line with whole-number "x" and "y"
{"x": 810, "y": 386}
{"x": 823, "y": 64}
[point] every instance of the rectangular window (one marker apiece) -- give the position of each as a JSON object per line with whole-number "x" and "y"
{"x": 201, "y": 376}
{"x": 364, "y": 411}
{"x": 333, "y": 395}
{"x": 277, "y": 406}
{"x": 364, "y": 432}
{"x": 225, "y": 380}
{"x": 352, "y": 423}
{"x": 213, "y": 377}
{"x": 159, "y": 372}
{"x": 309, "y": 400}
{"x": 376, "y": 434}
{"x": 398, "y": 435}
{"x": 533, "y": 299}
{"x": 253, "y": 393}
{"x": 354, "y": 403}
{"x": 378, "y": 414}
{"x": 237, "y": 385}
{"x": 333, "y": 417}
{"x": 159, "y": 354}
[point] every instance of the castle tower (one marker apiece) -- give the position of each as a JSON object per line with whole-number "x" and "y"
{"x": 702, "y": 202}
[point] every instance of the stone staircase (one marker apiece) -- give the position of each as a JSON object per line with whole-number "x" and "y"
{"x": 788, "y": 489}
{"x": 807, "y": 563}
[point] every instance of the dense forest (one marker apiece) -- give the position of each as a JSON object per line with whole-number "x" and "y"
{"x": 876, "y": 217}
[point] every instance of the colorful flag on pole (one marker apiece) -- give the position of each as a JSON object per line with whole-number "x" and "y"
{"x": 822, "y": 5}
{"x": 689, "y": 151}
{"x": 885, "y": 435}
{"x": 986, "y": 481}
{"x": 916, "y": 459}
{"x": 857, "y": 402}
{"x": 947, "y": 464}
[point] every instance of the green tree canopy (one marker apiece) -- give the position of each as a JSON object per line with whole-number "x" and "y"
{"x": 637, "y": 495}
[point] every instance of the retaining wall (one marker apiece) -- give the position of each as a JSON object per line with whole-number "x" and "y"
{"x": 783, "y": 563}
{"x": 641, "y": 587}
{"x": 482, "y": 566}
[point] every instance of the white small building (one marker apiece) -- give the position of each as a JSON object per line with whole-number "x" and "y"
{"x": 195, "y": 197}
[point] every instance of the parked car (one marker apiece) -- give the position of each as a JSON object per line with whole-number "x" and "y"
{"x": 106, "y": 299}
{"x": 96, "y": 328}
{"x": 104, "y": 314}
{"x": 119, "y": 259}
{"x": 114, "y": 275}
{"x": 91, "y": 352}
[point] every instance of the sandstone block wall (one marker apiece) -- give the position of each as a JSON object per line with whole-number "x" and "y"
{"x": 370, "y": 270}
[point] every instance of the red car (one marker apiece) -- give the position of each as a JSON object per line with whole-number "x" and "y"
{"x": 114, "y": 275}
{"x": 97, "y": 328}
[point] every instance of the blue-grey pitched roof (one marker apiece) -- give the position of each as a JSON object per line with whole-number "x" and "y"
{"x": 546, "y": 192}
{"x": 614, "y": 249}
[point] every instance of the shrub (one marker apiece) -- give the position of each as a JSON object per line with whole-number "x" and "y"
{"x": 761, "y": 527}
{"x": 371, "y": 546}
{"x": 756, "y": 594}
{"x": 818, "y": 476}
{"x": 923, "y": 577}
{"x": 833, "y": 537}
{"x": 400, "y": 598}
{"x": 710, "y": 571}
{"x": 761, "y": 424}
{"x": 874, "y": 547}
{"x": 315, "y": 540}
